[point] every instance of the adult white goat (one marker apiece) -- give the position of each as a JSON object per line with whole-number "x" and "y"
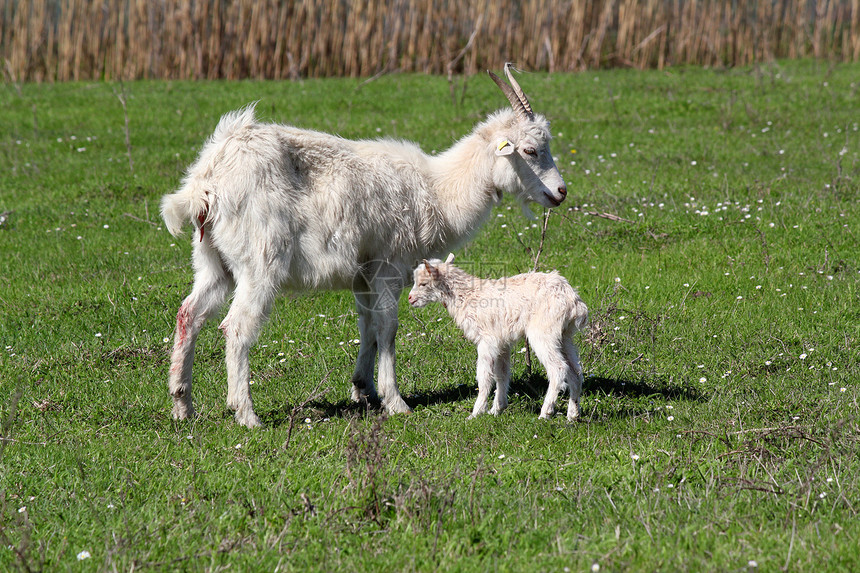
{"x": 494, "y": 314}
{"x": 278, "y": 207}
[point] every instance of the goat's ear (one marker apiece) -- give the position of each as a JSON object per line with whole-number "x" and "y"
{"x": 504, "y": 147}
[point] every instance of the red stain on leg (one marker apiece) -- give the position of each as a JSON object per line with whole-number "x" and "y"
{"x": 182, "y": 318}
{"x": 201, "y": 219}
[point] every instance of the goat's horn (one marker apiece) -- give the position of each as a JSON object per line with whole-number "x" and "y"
{"x": 517, "y": 89}
{"x": 515, "y": 100}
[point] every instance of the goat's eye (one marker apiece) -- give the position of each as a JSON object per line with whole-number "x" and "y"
{"x": 530, "y": 151}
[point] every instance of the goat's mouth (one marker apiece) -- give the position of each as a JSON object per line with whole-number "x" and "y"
{"x": 553, "y": 202}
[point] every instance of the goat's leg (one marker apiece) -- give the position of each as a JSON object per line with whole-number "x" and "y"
{"x": 574, "y": 378}
{"x": 249, "y": 310}
{"x": 362, "y": 378}
{"x": 385, "y": 324}
{"x": 549, "y": 352}
{"x": 210, "y": 289}
{"x": 484, "y": 376}
{"x": 502, "y": 374}
{"x": 384, "y": 284}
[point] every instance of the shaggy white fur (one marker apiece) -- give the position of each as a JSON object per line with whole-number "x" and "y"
{"x": 277, "y": 207}
{"x": 494, "y": 314}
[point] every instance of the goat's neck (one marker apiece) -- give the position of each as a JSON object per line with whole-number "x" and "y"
{"x": 463, "y": 183}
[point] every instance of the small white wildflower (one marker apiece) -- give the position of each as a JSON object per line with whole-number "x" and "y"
{"x": 752, "y": 563}
{"x": 803, "y": 356}
{"x": 618, "y": 279}
{"x": 702, "y": 380}
{"x": 634, "y": 457}
{"x": 22, "y": 509}
{"x": 307, "y": 420}
{"x": 84, "y": 555}
{"x": 165, "y": 339}
{"x": 501, "y": 456}
{"x": 670, "y": 418}
{"x": 98, "y": 334}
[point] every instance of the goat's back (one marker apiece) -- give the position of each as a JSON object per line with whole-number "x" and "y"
{"x": 306, "y": 206}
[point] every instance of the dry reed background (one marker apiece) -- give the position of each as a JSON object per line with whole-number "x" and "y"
{"x": 58, "y": 40}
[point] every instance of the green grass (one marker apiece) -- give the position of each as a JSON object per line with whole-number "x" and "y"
{"x": 720, "y": 417}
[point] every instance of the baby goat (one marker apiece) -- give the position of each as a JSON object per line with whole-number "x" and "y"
{"x": 494, "y": 314}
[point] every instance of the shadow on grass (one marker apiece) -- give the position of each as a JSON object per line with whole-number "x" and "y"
{"x": 532, "y": 386}
{"x": 349, "y": 409}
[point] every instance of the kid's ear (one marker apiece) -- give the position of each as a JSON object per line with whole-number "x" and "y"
{"x": 434, "y": 272}
{"x": 505, "y": 147}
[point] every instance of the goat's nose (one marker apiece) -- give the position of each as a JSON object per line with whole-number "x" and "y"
{"x": 562, "y": 191}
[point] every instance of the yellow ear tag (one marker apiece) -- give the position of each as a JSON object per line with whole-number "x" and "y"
{"x": 504, "y": 144}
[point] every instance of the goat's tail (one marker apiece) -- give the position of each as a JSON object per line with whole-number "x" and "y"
{"x": 192, "y": 201}
{"x": 579, "y": 317}
{"x": 187, "y": 204}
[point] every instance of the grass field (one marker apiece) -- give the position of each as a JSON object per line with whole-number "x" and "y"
{"x": 711, "y": 227}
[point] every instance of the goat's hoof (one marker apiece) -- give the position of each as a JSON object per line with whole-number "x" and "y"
{"x": 397, "y": 406}
{"x": 362, "y": 395}
{"x": 182, "y": 411}
{"x": 248, "y": 418}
